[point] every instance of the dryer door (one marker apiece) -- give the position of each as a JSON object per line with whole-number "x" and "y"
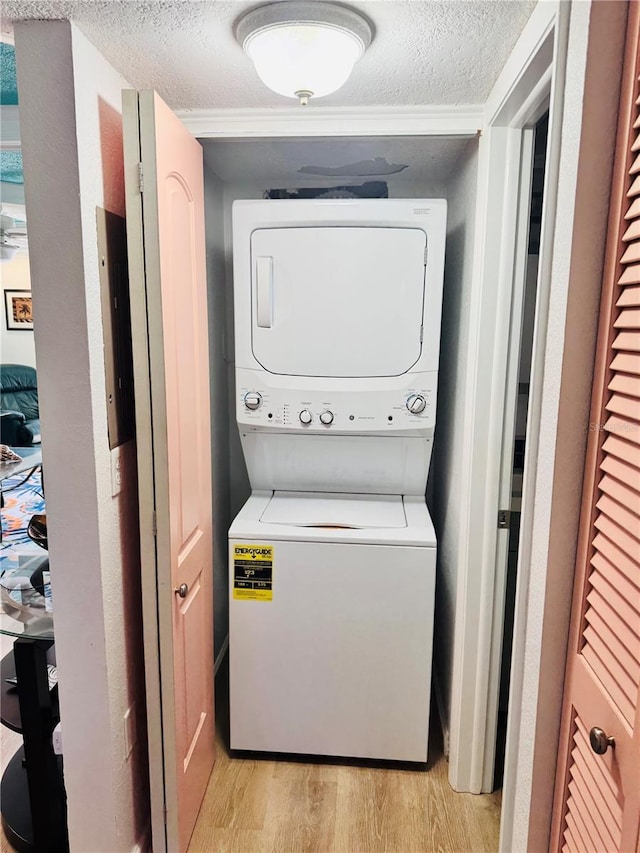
{"x": 343, "y": 302}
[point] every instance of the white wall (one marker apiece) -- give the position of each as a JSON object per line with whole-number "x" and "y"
{"x": 72, "y": 147}
{"x": 16, "y": 346}
{"x": 444, "y": 485}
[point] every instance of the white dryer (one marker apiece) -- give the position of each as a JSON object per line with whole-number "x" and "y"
{"x": 332, "y": 559}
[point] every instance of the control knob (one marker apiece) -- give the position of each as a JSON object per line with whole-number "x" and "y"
{"x": 305, "y": 417}
{"x": 416, "y": 403}
{"x": 326, "y": 417}
{"x": 252, "y": 400}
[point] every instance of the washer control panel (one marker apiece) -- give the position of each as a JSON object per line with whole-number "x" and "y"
{"x": 338, "y": 411}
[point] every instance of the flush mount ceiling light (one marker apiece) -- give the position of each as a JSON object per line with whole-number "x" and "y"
{"x": 303, "y": 49}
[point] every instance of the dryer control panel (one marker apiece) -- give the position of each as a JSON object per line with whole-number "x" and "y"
{"x": 260, "y": 406}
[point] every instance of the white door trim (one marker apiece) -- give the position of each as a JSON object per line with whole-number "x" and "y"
{"x": 517, "y": 233}
{"x": 466, "y": 120}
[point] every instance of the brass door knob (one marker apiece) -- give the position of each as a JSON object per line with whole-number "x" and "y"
{"x": 182, "y": 590}
{"x": 599, "y": 741}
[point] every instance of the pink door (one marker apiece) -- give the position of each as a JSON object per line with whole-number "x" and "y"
{"x": 597, "y": 797}
{"x": 166, "y": 244}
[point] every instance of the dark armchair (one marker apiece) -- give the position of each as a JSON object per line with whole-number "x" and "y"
{"x": 19, "y": 414}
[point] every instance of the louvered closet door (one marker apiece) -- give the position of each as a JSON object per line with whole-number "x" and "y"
{"x": 597, "y": 798}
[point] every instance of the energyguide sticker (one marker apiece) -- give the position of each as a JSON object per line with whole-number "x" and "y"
{"x": 253, "y": 572}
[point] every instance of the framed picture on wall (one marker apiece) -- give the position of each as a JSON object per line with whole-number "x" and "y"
{"x": 19, "y": 314}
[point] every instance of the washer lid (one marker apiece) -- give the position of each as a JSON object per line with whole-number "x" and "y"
{"x": 304, "y": 509}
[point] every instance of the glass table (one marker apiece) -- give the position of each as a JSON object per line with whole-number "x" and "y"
{"x": 31, "y": 458}
{"x": 32, "y": 790}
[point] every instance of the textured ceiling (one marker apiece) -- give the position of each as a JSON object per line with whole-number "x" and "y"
{"x": 278, "y": 161}
{"x": 423, "y": 51}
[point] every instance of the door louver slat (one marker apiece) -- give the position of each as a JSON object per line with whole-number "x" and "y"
{"x": 610, "y": 673}
{"x": 629, "y": 546}
{"x": 626, "y": 518}
{"x": 627, "y": 341}
{"x": 622, "y": 653}
{"x": 625, "y": 384}
{"x": 631, "y": 275}
{"x": 595, "y": 807}
{"x": 630, "y": 296}
{"x": 622, "y": 405}
{"x": 580, "y": 833}
{"x": 620, "y": 493}
{"x": 634, "y": 209}
{"x": 595, "y": 834}
{"x": 633, "y": 231}
{"x": 622, "y": 679}
{"x": 609, "y": 683}
{"x": 618, "y": 623}
{"x": 628, "y": 319}
{"x": 633, "y": 250}
{"x": 624, "y": 450}
{"x": 606, "y": 550}
{"x": 620, "y": 426}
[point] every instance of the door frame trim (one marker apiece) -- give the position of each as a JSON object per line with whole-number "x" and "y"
{"x": 517, "y": 99}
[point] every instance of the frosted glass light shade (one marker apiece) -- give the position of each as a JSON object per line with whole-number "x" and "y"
{"x": 303, "y": 50}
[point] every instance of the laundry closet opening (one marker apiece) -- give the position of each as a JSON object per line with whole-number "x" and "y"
{"x": 439, "y": 167}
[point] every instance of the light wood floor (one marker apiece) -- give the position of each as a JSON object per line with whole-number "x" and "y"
{"x": 255, "y": 805}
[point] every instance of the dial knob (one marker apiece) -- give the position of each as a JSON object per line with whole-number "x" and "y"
{"x": 416, "y": 403}
{"x": 326, "y": 417}
{"x": 305, "y": 417}
{"x": 252, "y": 400}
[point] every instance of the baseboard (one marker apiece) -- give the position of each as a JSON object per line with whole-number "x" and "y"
{"x": 224, "y": 648}
{"x": 444, "y": 723}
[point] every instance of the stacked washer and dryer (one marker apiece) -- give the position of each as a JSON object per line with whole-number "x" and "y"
{"x": 333, "y": 557}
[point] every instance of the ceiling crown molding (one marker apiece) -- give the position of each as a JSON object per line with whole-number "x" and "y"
{"x": 464, "y": 120}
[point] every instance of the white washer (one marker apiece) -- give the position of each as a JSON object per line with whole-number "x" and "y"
{"x": 332, "y": 559}
{"x": 333, "y": 656}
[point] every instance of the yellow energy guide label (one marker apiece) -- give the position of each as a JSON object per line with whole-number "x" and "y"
{"x": 253, "y": 572}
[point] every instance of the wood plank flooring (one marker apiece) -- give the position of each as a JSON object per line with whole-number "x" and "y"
{"x": 258, "y": 805}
